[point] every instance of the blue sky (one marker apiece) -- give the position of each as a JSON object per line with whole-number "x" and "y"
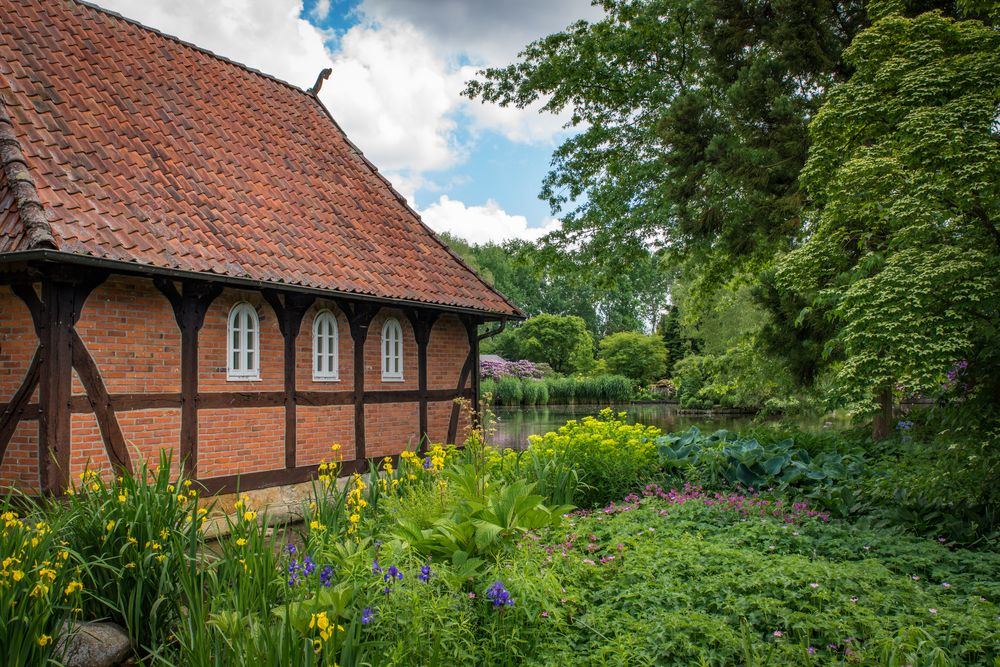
{"x": 398, "y": 69}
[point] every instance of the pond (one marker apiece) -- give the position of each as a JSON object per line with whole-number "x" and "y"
{"x": 515, "y": 424}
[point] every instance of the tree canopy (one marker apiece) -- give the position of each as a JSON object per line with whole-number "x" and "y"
{"x": 693, "y": 118}
{"x": 904, "y": 174}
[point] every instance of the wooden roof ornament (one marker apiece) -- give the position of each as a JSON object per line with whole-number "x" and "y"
{"x": 132, "y": 149}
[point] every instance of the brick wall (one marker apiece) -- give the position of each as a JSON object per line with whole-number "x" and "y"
{"x": 447, "y": 350}
{"x": 390, "y": 428}
{"x": 373, "y": 353}
{"x": 129, "y": 329}
{"x": 17, "y": 344}
{"x": 234, "y": 441}
{"x": 318, "y": 428}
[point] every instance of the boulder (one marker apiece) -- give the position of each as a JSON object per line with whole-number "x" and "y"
{"x": 94, "y": 645}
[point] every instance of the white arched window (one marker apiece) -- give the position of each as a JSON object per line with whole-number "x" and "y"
{"x": 325, "y": 344}
{"x": 392, "y": 351}
{"x": 244, "y": 343}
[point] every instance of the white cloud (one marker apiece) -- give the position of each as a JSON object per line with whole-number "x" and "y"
{"x": 320, "y": 10}
{"x": 481, "y": 224}
{"x": 396, "y": 97}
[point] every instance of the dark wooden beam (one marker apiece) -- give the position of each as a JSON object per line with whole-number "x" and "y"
{"x": 470, "y": 368}
{"x": 245, "y": 400}
{"x": 101, "y": 405}
{"x": 63, "y": 296}
{"x": 422, "y": 322}
{"x": 13, "y": 412}
{"x": 189, "y": 311}
{"x": 359, "y": 317}
{"x": 289, "y": 312}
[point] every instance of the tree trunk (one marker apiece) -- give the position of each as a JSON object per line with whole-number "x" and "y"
{"x": 882, "y": 424}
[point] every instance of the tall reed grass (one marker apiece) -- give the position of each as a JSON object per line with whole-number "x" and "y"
{"x": 512, "y": 391}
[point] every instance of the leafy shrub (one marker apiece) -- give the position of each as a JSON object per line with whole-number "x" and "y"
{"x": 600, "y": 389}
{"x": 725, "y": 458}
{"x": 499, "y": 369}
{"x": 40, "y": 584}
{"x": 529, "y": 392}
{"x": 739, "y": 378}
{"x": 641, "y": 357}
{"x": 611, "y": 456}
{"x": 944, "y": 486}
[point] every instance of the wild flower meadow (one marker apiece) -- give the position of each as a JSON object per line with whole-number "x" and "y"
{"x": 601, "y": 543}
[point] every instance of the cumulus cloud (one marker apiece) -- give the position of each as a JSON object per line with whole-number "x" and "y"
{"x": 481, "y": 224}
{"x": 396, "y": 95}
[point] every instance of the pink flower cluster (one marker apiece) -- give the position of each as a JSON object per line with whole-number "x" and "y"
{"x": 745, "y": 503}
{"x": 499, "y": 369}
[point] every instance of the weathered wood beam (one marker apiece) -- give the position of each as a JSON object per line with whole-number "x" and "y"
{"x": 359, "y": 317}
{"x": 63, "y": 296}
{"x": 13, "y": 412}
{"x": 290, "y": 312}
{"x": 422, "y": 322}
{"x": 471, "y": 367}
{"x": 189, "y": 309}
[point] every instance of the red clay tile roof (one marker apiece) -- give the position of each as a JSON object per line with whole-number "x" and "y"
{"x": 125, "y": 144}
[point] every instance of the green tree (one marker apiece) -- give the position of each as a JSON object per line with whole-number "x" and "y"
{"x": 669, "y": 329}
{"x": 635, "y": 355}
{"x": 904, "y": 173}
{"x": 561, "y": 341}
{"x": 693, "y": 117}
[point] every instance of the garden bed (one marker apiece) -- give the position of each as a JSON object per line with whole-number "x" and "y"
{"x": 475, "y": 557}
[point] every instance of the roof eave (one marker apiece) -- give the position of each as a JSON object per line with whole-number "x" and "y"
{"x": 134, "y": 268}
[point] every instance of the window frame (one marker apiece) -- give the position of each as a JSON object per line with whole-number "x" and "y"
{"x": 318, "y": 374}
{"x": 248, "y": 374}
{"x": 389, "y": 375}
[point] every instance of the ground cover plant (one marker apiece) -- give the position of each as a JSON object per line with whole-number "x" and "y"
{"x": 603, "y": 543}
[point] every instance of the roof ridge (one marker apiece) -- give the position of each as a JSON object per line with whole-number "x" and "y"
{"x": 38, "y": 231}
{"x": 191, "y": 45}
{"x": 402, "y": 200}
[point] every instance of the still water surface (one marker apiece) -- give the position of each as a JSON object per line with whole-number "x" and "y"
{"x": 514, "y": 425}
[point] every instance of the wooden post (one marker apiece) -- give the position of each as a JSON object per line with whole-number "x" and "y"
{"x": 63, "y": 296}
{"x": 189, "y": 312}
{"x": 290, "y": 314}
{"x": 359, "y": 317}
{"x": 422, "y": 322}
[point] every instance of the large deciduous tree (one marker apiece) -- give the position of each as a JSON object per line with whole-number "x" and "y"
{"x": 904, "y": 242}
{"x": 693, "y": 118}
{"x": 561, "y": 341}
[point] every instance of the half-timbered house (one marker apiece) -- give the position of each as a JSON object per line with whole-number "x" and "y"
{"x": 194, "y": 257}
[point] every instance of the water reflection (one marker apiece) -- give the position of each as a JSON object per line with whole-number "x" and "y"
{"x": 516, "y": 424}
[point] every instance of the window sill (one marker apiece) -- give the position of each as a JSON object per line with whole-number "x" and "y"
{"x": 392, "y": 379}
{"x": 320, "y": 378}
{"x": 238, "y": 378}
